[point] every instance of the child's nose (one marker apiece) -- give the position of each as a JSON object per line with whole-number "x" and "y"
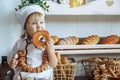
{"x": 39, "y": 27}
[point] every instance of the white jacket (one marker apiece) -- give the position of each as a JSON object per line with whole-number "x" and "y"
{"x": 34, "y": 59}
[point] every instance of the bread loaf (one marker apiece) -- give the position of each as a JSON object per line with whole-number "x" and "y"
{"x": 112, "y": 39}
{"x": 55, "y": 39}
{"x": 71, "y": 40}
{"x": 93, "y": 39}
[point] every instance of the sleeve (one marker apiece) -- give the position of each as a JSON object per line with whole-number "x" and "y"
{"x": 14, "y": 50}
{"x": 16, "y": 47}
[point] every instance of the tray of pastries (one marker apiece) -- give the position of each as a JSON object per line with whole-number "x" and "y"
{"x": 90, "y": 44}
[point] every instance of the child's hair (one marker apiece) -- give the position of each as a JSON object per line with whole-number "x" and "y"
{"x": 34, "y": 13}
{"x": 22, "y": 14}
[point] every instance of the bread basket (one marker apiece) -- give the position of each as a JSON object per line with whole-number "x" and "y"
{"x": 68, "y": 69}
{"x": 90, "y": 64}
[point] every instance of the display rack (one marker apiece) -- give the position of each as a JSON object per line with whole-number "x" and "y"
{"x": 88, "y": 49}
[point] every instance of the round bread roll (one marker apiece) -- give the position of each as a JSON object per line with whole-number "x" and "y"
{"x": 112, "y": 39}
{"x": 93, "y": 39}
{"x": 37, "y": 36}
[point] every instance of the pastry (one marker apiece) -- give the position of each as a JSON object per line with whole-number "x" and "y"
{"x": 93, "y": 39}
{"x": 112, "y": 39}
{"x": 71, "y": 40}
{"x": 39, "y": 37}
{"x": 112, "y": 72}
{"x": 64, "y": 60}
{"x": 55, "y": 39}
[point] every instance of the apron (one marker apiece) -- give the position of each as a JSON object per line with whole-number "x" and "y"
{"x": 33, "y": 59}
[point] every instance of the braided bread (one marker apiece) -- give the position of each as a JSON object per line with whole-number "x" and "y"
{"x": 55, "y": 39}
{"x": 112, "y": 39}
{"x": 93, "y": 39}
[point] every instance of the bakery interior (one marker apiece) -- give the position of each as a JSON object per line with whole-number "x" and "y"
{"x": 92, "y": 18}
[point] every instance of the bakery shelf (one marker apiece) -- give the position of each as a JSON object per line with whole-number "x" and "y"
{"x": 104, "y": 46}
{"x": 102, "y": 51}
{"x": 88, "y": 49}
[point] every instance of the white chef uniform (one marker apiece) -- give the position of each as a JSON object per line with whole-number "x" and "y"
{"x": 34, "y": 59}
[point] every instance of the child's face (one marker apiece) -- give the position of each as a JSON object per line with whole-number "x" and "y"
{"x": 35, "y": 22}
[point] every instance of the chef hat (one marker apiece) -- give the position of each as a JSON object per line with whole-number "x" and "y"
{"x": 22, "y": 14}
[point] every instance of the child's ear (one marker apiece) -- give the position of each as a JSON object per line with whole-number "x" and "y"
{"x": 23, "y": 35}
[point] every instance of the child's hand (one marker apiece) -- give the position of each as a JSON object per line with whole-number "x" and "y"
{"x": 13, "y": 63}
{"x": 50, "y": 46}
{"x": 51, "y": 53}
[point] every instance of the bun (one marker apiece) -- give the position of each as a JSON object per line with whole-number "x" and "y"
{"x": 72, "y": 40}
{"x": 55, "y": 39}
{"x": 93, "y": 39}
{"x": 64, "y": 60}
{"x": 112, "y": 39}
{"x": 37, "y": 36}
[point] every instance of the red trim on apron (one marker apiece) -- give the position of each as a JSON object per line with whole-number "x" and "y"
{"x": 26, "y": 49}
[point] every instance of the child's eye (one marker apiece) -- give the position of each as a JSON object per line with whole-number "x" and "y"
{"x": 33, "y": 23}
{"x": 41, "y": 22}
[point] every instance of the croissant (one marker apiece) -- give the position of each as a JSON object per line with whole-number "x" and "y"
{"x": 93, "y": 39}
{"x": 112, "y": 39}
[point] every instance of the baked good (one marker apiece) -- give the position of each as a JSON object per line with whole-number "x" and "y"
{"x": 100, "y": 72}
{"x": 39, "y": 38}
{"x": 71, "y": 40}
{"x": 58, "y": 57}
{"x": 26, "y": 68}
{"x": 93, "y": 39}
{"x": 74, "y": 39}
{"x": 55, "y": 39}
{"x": 64, "y": 60}
{"x": 112, "y": 39}
{"x": 112, "y": 72}
{"x": 60, "y": 67}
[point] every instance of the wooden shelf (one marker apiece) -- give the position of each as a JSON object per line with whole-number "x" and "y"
{"x": 88, "y": 49}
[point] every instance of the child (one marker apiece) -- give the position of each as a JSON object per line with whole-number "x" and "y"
{"x": 32, "y": 19}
